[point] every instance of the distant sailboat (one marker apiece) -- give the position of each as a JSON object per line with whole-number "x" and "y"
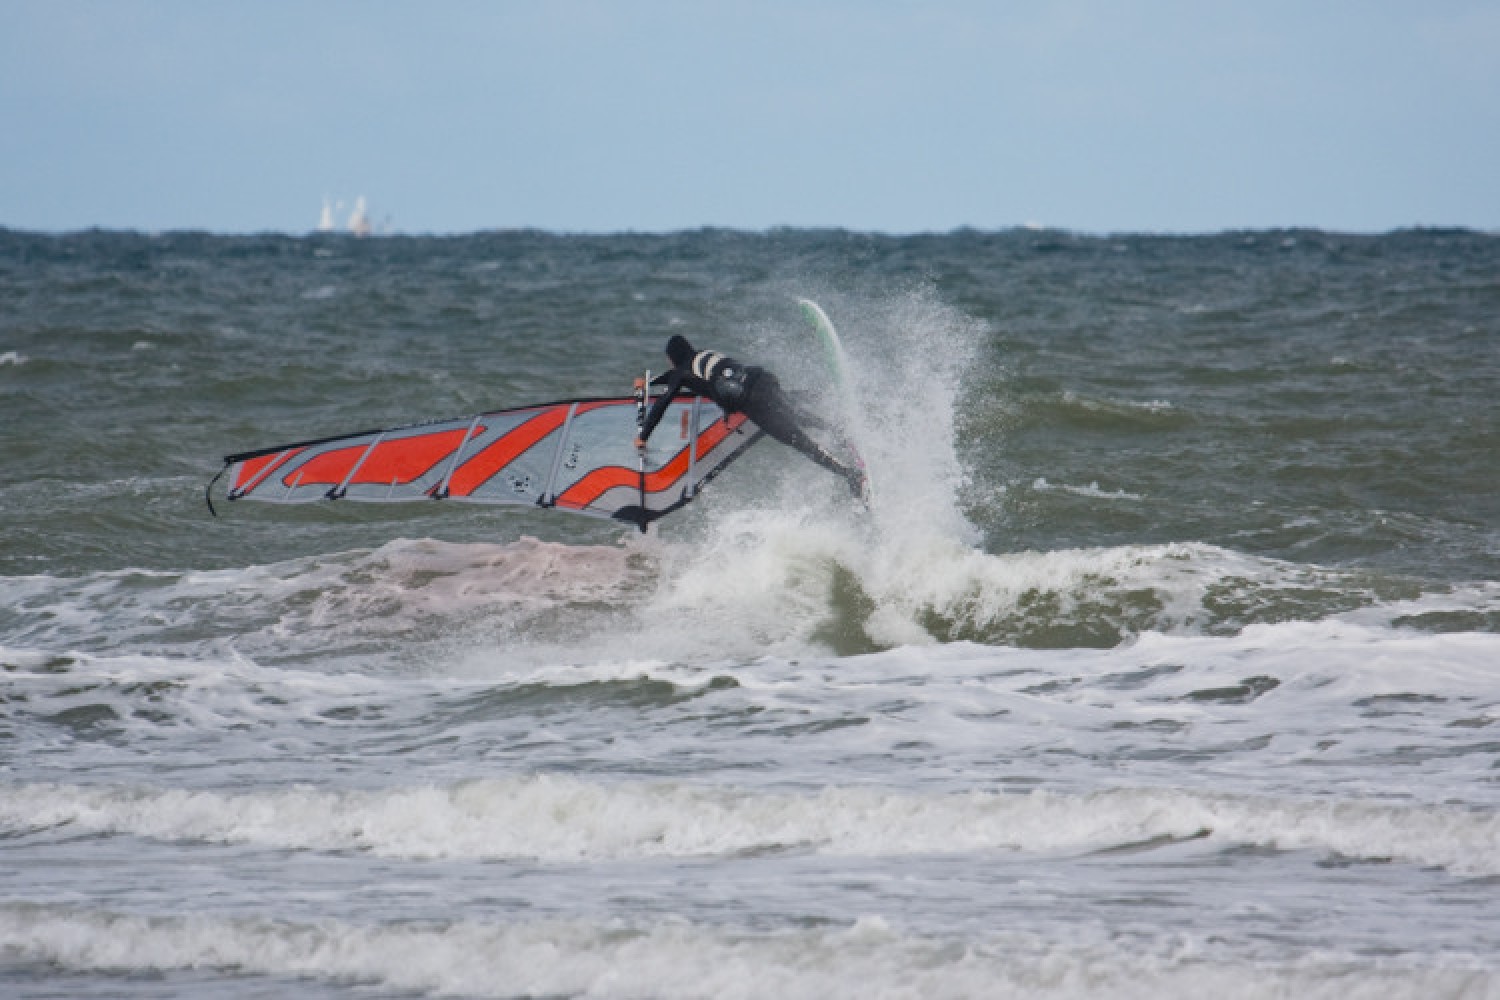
{"x": 359, "y": 221}
{"x": 357, "y": 224}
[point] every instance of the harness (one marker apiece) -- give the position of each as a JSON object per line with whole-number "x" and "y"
{"x": 706, "y": 365}
{"x": 727, "y": 378}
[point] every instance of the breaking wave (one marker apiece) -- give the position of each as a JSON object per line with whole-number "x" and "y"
{"x": 675, "y": 959}
{"x": 561, "y": 819}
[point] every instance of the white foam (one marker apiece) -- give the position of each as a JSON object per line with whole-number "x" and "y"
{"x": 754, "y": 626}
{"x": 13, "y": 358}
{"x": 1152, "y": 406}
{"x": 737, "y": 582}
{"x": 217, "y": 692}
{"x": 564, "y": 819}
{"x": 427, "y": 574}
{"x": 401, "y": 592}
{"x": 1092, "y": 490}
{"x": 677, "y": 960}
{"x": 765, "y": 582}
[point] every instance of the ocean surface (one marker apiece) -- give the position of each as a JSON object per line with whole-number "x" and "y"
{"x": 1164, "y": 663}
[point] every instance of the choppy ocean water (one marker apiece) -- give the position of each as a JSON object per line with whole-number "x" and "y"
{"x": 1164, "y": 663}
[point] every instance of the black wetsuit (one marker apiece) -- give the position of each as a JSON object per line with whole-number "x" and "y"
{"x": 747, "y": 389}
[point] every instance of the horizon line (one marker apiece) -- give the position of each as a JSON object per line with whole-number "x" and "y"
{"x": 1026, "y": 227}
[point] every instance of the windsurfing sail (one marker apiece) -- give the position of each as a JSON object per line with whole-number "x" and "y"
{"x": 575, "y": 455}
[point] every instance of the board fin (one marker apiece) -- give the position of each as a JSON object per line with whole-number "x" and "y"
{"x": 838, "y": 368}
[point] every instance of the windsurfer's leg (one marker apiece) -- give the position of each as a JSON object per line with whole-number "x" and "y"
{"x": 802, "y": 412}
{"x": 773, "y": 413}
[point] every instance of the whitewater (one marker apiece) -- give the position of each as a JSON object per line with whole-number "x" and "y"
{"x": 1161, "y": 664}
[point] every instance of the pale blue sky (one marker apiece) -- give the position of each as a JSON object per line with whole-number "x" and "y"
{"x": 891, "y": 115}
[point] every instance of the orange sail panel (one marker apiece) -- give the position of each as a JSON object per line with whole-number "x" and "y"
{"x": 251, "y": 472}
{"x": 400, "y": 461}
{"x": 588, "y": 490}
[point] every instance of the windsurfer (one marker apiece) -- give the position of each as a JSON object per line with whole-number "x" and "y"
{"x": 747, "y": 389}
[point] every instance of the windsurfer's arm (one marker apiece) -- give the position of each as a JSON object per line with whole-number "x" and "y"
{"x": 673, "y": 381}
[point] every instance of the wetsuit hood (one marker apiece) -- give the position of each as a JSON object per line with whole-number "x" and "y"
{"x": 680, "y": 351}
